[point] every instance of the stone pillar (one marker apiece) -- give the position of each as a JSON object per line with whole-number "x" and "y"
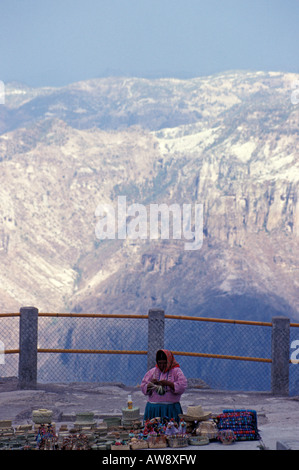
{"x": 280, "y": 355}
{"x": 28, "y": 348}
{"x": 155, "y": 335}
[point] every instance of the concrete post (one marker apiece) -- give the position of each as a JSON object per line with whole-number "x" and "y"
{"x": 28, "y": 348}
{"x": 155, "y": 335}
{"x": 280, "y": 355}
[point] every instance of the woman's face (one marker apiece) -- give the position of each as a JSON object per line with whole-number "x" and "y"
{"x": 162, "y": 363}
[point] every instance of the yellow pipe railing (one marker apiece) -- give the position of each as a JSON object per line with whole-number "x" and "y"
{"x": 134, "y": 316}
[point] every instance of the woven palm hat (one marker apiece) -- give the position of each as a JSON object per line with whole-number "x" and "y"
{"x": 196, "y": 413}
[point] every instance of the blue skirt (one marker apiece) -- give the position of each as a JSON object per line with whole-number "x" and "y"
{"x": 163, "y": 410}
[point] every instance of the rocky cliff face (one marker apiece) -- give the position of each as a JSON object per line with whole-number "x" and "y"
{"x": 228, "y": 142}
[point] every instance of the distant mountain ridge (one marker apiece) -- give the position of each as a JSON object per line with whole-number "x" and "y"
{"x": 227, "y": 141}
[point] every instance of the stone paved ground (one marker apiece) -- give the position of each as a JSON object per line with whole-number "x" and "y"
{"x": 278, "y": 417}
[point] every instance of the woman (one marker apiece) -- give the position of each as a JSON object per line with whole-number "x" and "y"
{"x": 163, "y": 385}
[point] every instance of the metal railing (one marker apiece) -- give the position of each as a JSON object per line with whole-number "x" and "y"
{"x": 66, "y": 343}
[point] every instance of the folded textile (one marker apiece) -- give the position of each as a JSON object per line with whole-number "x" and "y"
{"x": 242, "y": 422}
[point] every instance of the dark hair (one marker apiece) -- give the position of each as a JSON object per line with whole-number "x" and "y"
{"x": 161, "y": 356}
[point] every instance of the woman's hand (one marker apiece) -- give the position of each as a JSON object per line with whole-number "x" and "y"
{"x": 151, "y": 383}
{"x": 166, "y": 383}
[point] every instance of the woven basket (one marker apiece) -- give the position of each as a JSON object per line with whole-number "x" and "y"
{"x": 157, "y": 442}
{"x": 139, "y": 445}
{"x": 207, "y": 429}
{"x": 177, "y": 441}
{"x": 85, "y": 416}
{"x": 120, "y": 447}
{"x": 227, "y": 436}
{"x": 42, "y": 416}
{"x": 198, "y": 441}
{"x": 5, "y": 423}
{"x": 112, "y": 422}
{"x": 131, "y": 414}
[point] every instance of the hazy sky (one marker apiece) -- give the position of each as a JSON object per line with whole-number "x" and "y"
{"x": 56, "y": 42}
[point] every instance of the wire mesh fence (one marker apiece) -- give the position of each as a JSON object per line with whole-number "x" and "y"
{"x": 9, "y": 339}
{"x": 223, "y": 339}
{"x": 106, "y": 344}
{"x": 86, "y": 348}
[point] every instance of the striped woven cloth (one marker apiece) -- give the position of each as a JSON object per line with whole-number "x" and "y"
{"x": 242, "y": 422}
